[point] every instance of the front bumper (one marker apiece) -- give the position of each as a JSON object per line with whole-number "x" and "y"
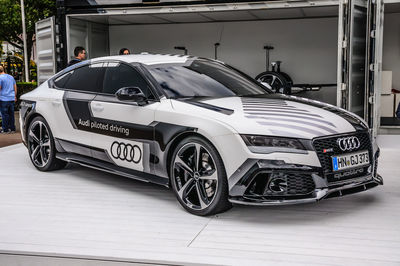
{"x": 252, "y": 183}
{"x": 360, "y": 185}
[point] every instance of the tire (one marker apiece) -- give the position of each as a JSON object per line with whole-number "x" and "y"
{"x": 202, "y": 188}
{"x": 277, "y": 82}
{"x": 41, "y": 147}
{"x": 288, "y": 78}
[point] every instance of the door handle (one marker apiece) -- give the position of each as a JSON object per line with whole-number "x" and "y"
{"x": 56, "y": 102}
{"x": 98, "y": 107}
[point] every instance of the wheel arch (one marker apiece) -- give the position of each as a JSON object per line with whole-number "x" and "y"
{"x": 27, "y": 123}
{"x": 175, "y": 142}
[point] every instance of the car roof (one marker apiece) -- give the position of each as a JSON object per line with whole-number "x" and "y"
{"x": 146, "y": 58}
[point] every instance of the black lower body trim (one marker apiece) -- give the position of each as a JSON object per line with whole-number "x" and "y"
{"x": 66, "y": 146}
{"x": 112, "y": 168}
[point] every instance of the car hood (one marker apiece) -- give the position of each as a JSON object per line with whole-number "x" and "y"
{"x": 279, "y": 115}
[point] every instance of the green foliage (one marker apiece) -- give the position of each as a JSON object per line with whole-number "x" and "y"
{"x": 10, "y": 17}
{"x": 26, "y": 84}
{"x": 22, "y": 88}
{"x": 11, "y": 24}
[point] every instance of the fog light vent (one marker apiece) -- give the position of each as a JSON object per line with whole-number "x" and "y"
{"x": 278, "y": 184}
{"x": 289, "y": 184}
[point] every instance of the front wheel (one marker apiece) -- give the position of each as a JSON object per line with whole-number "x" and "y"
{"x": 41, "y": 146}
{"x": 198, "y": 177}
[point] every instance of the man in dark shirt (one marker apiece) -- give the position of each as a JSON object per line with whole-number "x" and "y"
{"x": 80, "y": 55}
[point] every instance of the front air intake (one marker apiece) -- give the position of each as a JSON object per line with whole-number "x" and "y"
{"x": 278, "y": 184}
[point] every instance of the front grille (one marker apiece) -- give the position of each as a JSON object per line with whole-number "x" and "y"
{"x": 330, "y": 143}
{"x": 293, "y": 184}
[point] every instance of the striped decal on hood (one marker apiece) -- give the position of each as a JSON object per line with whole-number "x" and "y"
{"x": 286, "y": 117}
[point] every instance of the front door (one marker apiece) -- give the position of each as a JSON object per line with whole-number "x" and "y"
{"x": 123, "y": 128}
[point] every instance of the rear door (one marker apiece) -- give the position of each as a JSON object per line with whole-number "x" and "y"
{"x": 122, "y": 128}
{"x": 358, "y": 56}
{"x": 73, "y": 119}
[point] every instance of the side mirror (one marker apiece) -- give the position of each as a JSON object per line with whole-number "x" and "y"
{"x": 133, "y": 94}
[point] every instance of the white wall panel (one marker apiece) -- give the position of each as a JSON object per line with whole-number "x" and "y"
{"x": 92, "y": 36}
{"x": 78, "y": 35}
{"x": 391, "y": 47}
{"x": 307, "y": 47}
{"x": 387, "y": 105}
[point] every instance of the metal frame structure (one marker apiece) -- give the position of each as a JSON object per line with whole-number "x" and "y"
{"x": 46, "y": 57}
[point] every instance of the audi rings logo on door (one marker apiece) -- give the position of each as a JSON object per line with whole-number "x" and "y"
{"x": 126, "y": 152}
{"x": 348, "y": 143}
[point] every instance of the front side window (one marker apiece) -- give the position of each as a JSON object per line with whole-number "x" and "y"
{"x": 120, "y": 75}
{"x": 204, "y": 78}
{"x": 88, "y": 78}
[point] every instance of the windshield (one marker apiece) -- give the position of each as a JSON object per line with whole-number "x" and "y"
{"x": 204, "y": 78}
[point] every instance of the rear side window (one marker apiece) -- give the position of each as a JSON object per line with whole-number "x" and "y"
{"x": 62, "y": 80}
{"x": 120, "y": 75}
{"x": 86, "y": 78}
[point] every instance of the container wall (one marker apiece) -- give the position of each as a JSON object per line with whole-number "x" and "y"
{"x": 307, "y": 47}
{"x": 92, "y": 36}
{"x": 391, "y": 47}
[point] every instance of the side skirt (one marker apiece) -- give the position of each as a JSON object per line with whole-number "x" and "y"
{"x": 111, "y": 168}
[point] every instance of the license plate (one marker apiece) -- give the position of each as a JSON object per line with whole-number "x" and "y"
{"x": 350, "y": 160}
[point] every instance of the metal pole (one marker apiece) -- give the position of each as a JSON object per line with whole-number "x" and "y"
{"x": 26, "y": 59}
{"x": 216, "y": 50}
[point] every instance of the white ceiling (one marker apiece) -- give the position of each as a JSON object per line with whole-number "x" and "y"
{"x": 213, "y": 16}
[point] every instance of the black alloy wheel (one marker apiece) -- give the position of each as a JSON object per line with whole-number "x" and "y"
{"x": 198, "y": 177}
{"x": 41, "y": 146}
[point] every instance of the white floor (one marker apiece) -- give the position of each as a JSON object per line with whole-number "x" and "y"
{"x": 83, "y": 213}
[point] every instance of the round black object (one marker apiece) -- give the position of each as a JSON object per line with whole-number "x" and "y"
{"x": 278, "y": 83}
{"x": 41, "y": 146}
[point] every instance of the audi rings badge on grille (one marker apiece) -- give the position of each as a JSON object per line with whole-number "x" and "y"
{"x": 126, "y": 152}
{"x": 348, "y": 143}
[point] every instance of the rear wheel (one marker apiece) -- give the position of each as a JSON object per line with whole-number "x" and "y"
{"x": 41, "y": 146}
{"x": 198, "y": 177}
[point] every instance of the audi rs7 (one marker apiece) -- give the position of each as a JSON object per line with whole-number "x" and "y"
{"x": 208, "y": 131}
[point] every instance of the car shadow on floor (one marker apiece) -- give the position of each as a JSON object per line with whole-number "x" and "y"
{"x": 283, "y": 214}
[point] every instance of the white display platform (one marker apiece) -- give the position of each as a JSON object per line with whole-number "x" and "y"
{"x": 103, "y": 219}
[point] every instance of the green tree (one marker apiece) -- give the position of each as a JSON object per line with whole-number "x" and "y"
{"x": 11, "y": 24}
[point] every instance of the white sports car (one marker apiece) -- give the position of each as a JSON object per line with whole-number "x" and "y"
{"x": 212, "y": 133}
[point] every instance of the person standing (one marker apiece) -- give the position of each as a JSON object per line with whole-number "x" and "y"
{"x": 80, "y": 55}
{"x": 8, "y": 97}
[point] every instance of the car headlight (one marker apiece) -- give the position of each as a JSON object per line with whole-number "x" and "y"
{"x": 268, "y": 144}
